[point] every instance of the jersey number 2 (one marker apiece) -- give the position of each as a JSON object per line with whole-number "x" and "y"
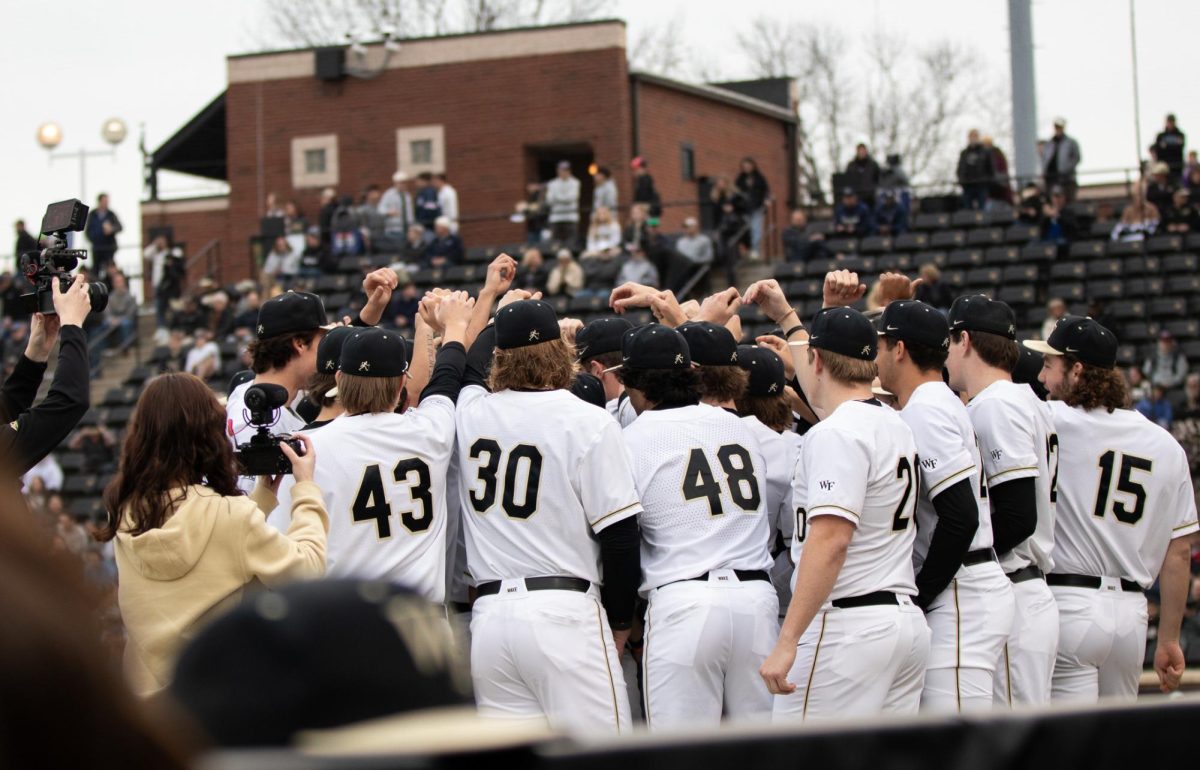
{"x": 699, "y": 481}
{"x": 522, "y": 454}
{"x": 371, "y": 503}
{"x": 907, "y": 470}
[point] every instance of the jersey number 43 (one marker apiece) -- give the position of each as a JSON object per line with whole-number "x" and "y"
{"x": 371, "y": 502}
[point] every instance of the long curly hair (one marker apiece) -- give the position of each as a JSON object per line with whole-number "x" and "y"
{"x": 176, "y": 438}
{"x": 1097, "y": 388}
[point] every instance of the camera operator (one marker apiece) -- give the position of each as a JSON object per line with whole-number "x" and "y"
{"x": 29, "y": 434}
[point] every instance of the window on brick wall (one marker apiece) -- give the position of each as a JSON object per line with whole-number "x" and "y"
{"x": 315, "y": 161}
{"x": 687, "y": 162}
{"x": 420, "y": 152}
{"x": 420, "y": 149}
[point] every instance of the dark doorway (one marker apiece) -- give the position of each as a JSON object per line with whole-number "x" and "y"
{"x": 541, "y": 163}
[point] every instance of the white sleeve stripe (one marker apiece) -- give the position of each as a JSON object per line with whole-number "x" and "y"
{"x": 813, "y": 511}
{"x": 1013, "y": 470}
{"x": 952, "y": 477}
{"x": 614, "y": 513}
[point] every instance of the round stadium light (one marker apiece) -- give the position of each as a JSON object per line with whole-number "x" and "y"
{"x": 113, "y": 131}
{"x": 49, "y": 135}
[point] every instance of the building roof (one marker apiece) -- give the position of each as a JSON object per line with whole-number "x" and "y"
{"x": 717, "y": 94}
{"x": 198, "y": 147}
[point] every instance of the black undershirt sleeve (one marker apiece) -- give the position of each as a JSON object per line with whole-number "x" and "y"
{"x": 621, "y": 559}
{"x": 479, "y": 358}
{"x": 21, "y": 387}
{"x": 1014, "y": 513}
{"x": 447, "y": 377}
{"x": 957, "y": 520}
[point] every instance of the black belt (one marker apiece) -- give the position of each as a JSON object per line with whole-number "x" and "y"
{"x": 1026, "y": 573}
{"x": 978, "y": 556}
{"x": 552, "y": 583}
{"x": 1088, "y": 581}
{"x": 866, "y": 600}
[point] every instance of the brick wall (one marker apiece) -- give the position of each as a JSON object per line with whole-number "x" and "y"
{"x": 195, "y": 229}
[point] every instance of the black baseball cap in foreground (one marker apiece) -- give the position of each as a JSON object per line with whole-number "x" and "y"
{"x": 981, "y": 313}
{"x": 767, "y": 376}
{"x": 709, "y": 344}
{"x": 292, "y": 311}
{"x": 913, "y": 321}
{"x": 372, "y": 352}
{"x": 653, "y": 346}
{"x": 1081, "y": 337}
{"x": 587, "y": 387}
{"x": 844, "y": 331}
{"x": 329, "y": 352}
{"x": 601, "y": 336}
{"x": 526, "y": 322}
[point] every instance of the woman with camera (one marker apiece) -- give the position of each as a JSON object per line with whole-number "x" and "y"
{"x": 188, "y": 543}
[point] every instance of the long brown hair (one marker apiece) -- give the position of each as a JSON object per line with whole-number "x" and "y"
{"x": 1097, "y": 388}
{"x": 176, "y": 438}
{"x": 545, "y": 366}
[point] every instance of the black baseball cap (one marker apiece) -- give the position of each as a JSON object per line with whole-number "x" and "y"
{"x": 526, "y": 322}
{"x": 601, "y": 336}
{"x": 241, "y": 378}
{"x": 767, "y": 377}
{"x": 911, "y": 320}
{"x": 844, "y": 331}
{"x": 981, "y": 313}
{"x": 587, "y": 387}
{"x": 292, "y": 311}
{"x": 319, "y": 654}
{"x": 329, "y": 352}
{"x": 373, "y": 352}
{"x": 1029, "y": 365}
{"x": 1081, "y": 337}
{"x": 709, "y": 344}
{"x": 653, "y": 346}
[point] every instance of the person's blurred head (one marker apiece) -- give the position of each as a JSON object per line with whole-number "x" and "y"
{"x": 328, "y": 195}
{"x": 603, "y": 215}
{"x": 986, "y": 141}
{"x": 1058, "y": 196}
{"x": 291, "y": 210}
{"x": 441, "y": 226}
{"x": 799, "y": 219}
{"x": 849, "y": 197}
{"x": 1180, "y": 198}
{"x": 564, "y": 169}
{"x": 399, "y": 180}
{"x": 1171, "y": 122}
{"x": 532, "y": 259}
{"x": 1060, "y": 126}
{"x": 1166, "y": 342}
{"x": 639, "y": 212}
{"x": 973, "y": 136}
{"x": 1159, "y": 171}
{"x": 749, "y": 165}
{"x": 55, "y": 506}
{"x": 19, "y": 226}
{"x": 202, "y": 335}
{"x": 37, "y": 485}
{"x": 1192, "y": 387}
{"x": 1135, "y": 376}
{"x": 312, "y": 238}
{"x": 860, "y": 151}
{"x": 425, "y": 179}
{"x": 102, "y": 201}
{"x": 409, "y": 290}
{"x": 602, "y": 175}
{"x": 372, "y": 195}
{"x": 439, "y": 181}
{"x": 930, "y": 273}
{"x": 416, "y": 233}
{"x": 119, "y": 282}
{"x": 1056, "y": 308}
{"x": 639, "y": 166}
{"x": 691, "y": 226}
{"x": 563, "y": 256}
{"x": 281, "y": 246}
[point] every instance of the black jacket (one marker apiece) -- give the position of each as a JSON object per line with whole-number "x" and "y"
{"x": 975, "y": 165}
{"x": 1169, "y": 145}
{"x": 754, "y": 189}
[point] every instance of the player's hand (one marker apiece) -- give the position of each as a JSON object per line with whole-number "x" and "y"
{"x": 378, "y": 286}
{"x": 691, "y": 309}
{"x": 302, "y": 465}
{"x": 629, "y": 295}
{"x": 569, "y": 327}
{"x": 516, "y": 295}
{"x": 841, "y": 289}
{"x": 427, "y": 312}
{"x": 776, "y": 668}
{"x": 667, "y": 310}
{"x": 455, "y": 310}
{"x": 619, "y": 639}
{"x": 43, "y": 333}
{"x": 500, "y": 275}
{"x": 720, "y": 307}
{"x": 770, "y": 297}
{"x": 896, "y": 286}
{"x": 72, "y": 305}
{"x": 1169, "y": 665}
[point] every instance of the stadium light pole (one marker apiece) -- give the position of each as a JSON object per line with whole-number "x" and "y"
{"x": 1137, "y": 102}
{"x": 1024, "y": 91}
{"x": 113, "y": 131}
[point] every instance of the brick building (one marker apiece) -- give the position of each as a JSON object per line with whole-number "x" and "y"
{"x": 492, "y": 110}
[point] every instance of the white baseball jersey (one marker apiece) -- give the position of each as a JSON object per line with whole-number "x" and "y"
{"x": 622, "y": 410}
{"x": 780, "y": 453}
{"x": 541, "y": 473}
{"x": 1017, "y": 441}
{"x": 1124, "y": 492}
{"x": 239, "y": 430}
{"x": 383, "y": 478}
{"x": 860, "y": 464}
{"x": 701, "y": 479}
{"x": 949, "y": 454}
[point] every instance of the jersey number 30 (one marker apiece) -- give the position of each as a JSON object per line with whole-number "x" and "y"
{"x": 371, "y": 503}
{"x": 525, "y": 455}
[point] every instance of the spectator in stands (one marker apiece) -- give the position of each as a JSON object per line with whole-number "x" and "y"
{"x": 1169, "y": 145}
{"x": 635, "y": 231}
{"x": 98, "y": 446}
{"x": 851, "y": 216}
{"x": 1156, "y": 407}
{"x": 757, "y": 194}
{"x": 894, "y": 178}
{"x": 1060, "y": 159}
{"x": 1168, "y": 367}
{"x": 890, "y": 217}
{"x": 101, "y": 230}
{"x": 220, "y": 314}
{"x": 799, "y": 245}
{"x": 122, "y": 311}
{"x": 1139, "y": 220}
{"x": 271, "y": 207}
{"x": 447, "y": 198}
{"x": 402, "y": 308}
{"x": 643, "y": 187}
{"x": 282, "y": 263}
{"x": 425, "y": 204}
{"x": 396, "y": 205}
{"x": 167, "y": 274}
{"x": 415, "y": 246}
{"x": 721, "y": 192}
{"x": 49, "y": 471}
{"x": 1001, "y": 189}
{"x": 246, "y": 314}
{"x": 1031, "y": 205}
{"x": 533, "y": 212}
{"x": 1056, "y": 308}
{"x": 204, "y": 359}
{"x": 316, "y": 258}
{"x": 1059, "y": 223}
{"x": 372, "y": 221}
{"x": 566, "y": 277}
{"x": 733, "y": 238}
{"x": 446, "y": 250}
{"x": 1183, "y": 216}
{"x": 26, "y": 242}
{"x": 532, "y": 272}
{"x": 562, "y": 198}
{"x": 862, "y": 174}
{"x": 35, "y": 496}
{"x": 294, "y": 221}
{"x": 347, "y": 237}
{"x": 1186, "y": 425}
{"x": 604, "y": 235}
{"x": 173, "y": 357}
{"x": 329, "y": 205}
{"x": 1139, "y": 387}
{"x": 1160, "y": 190}
{"x": 932, "y": 291}
{"x": 696, "y": 250}
{"x": 599, "y": 274}
{"x": 638, "y": 269}
{"x": 604, "y": 193}
{"x": 976, "y": 172}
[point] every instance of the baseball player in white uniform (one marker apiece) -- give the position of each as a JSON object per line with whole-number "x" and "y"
{"x": 713, "y": 614}
{"x": 1019, "y": 450}
{"x": 385, "y": 482}
{"x": 598, "y": 345}
{"x": 853, "y": 641}
{"x": 550, "y": 514}
{"x": 1126, "y": 516}
{"x": 967, "y": 599}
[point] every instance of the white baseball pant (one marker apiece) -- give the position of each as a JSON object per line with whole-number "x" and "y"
{"x": 1101, "y": 643}
{"x": 1027, "y": 661}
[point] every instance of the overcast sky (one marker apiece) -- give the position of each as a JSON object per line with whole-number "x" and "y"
{"x": 156, "y": 63}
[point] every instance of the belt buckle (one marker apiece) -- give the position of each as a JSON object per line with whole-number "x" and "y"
{"x": 512, "y": 587}
{"x": 722, "y": 576}
{"x": 1110, "y": 584}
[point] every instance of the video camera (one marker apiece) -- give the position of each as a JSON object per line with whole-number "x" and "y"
{"x": 55, "y": 261}
{"x": 261, "y": 455}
